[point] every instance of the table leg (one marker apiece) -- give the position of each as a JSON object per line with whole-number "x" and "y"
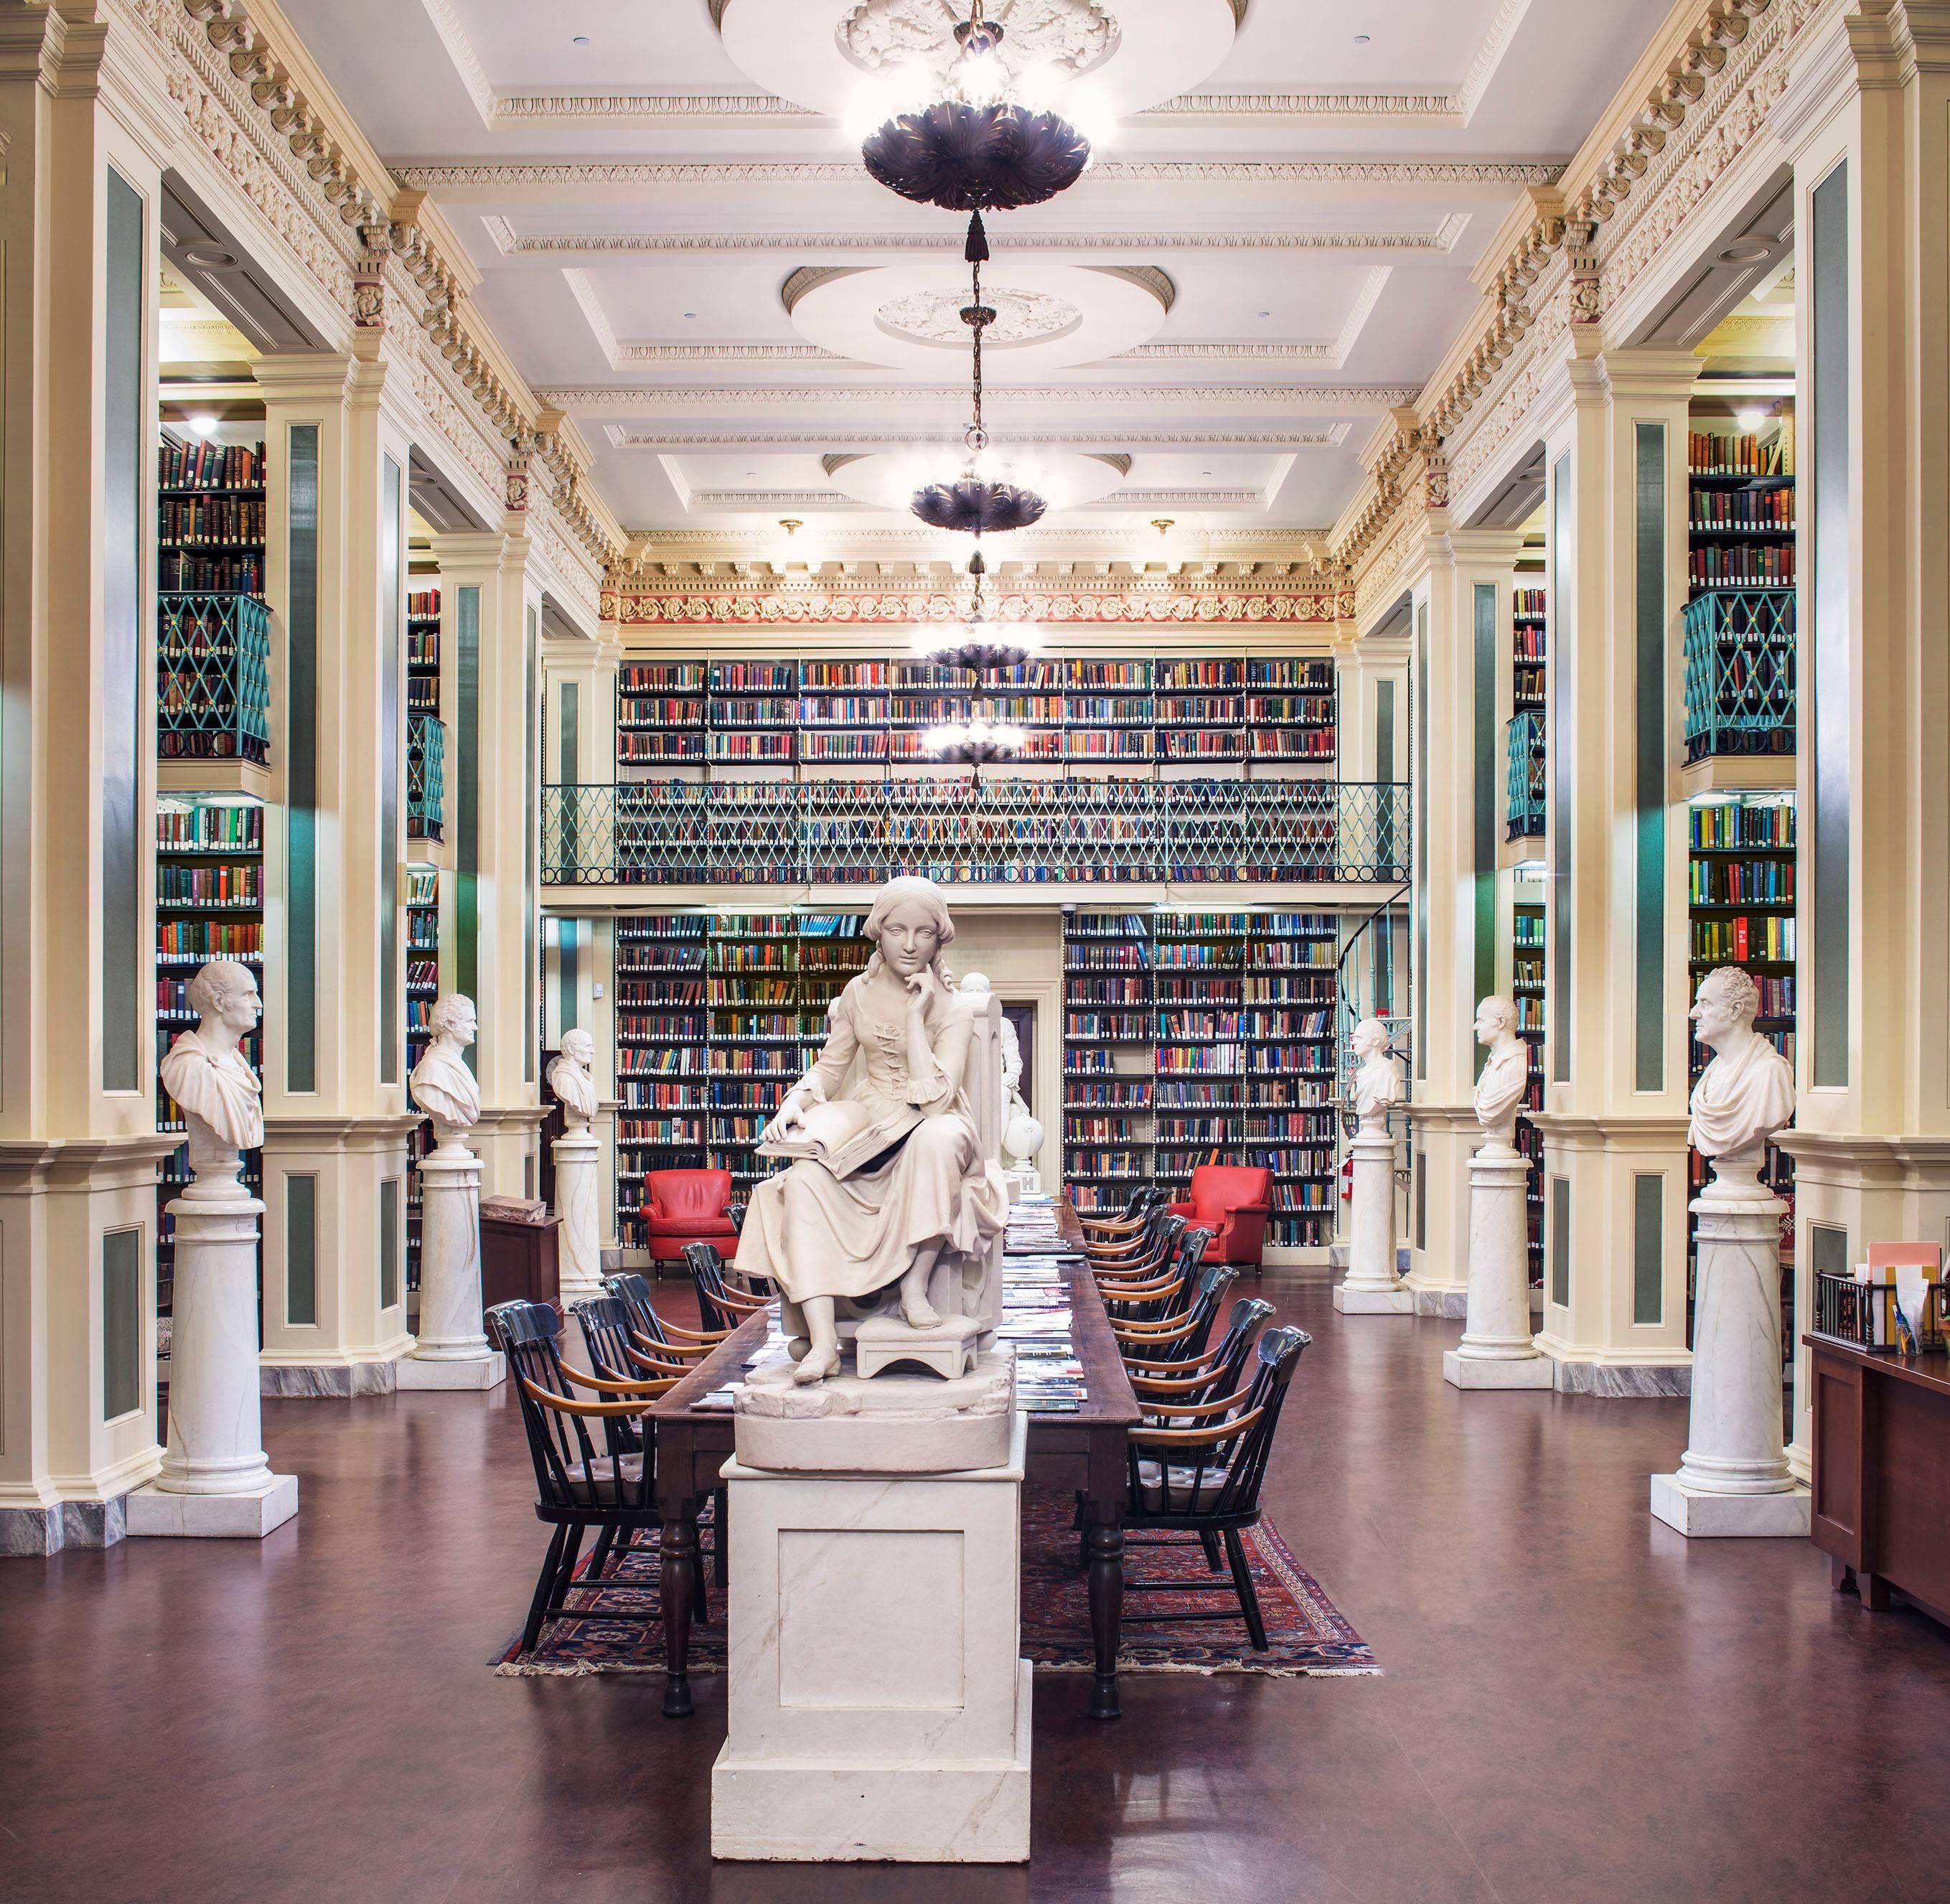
{"x": 679, "y": 1573}
{"x": 1105, "y": 1544}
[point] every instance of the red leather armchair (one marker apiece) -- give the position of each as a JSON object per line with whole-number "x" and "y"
{"x": 1231, "y": 1200}
{"x": 682, "y": 1207}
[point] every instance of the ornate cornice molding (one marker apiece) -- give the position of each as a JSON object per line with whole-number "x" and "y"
{"x": 792, "y": 603}
{"x": 511, "y": 244}
{"x": 566, "y": 175}
{"x": 621, "y": 436}
{"x": 641, "y": 398}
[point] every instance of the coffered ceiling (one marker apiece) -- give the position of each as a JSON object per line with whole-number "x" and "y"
{"x": 1273, "y": 246}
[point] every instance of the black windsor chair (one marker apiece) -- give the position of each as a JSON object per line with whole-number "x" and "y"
{"x": 1184, "y": 1334}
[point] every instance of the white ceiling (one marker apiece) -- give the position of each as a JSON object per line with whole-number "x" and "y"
{"x": 645, "y": 295}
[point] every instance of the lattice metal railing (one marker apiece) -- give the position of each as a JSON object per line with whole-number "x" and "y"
{"x": 1016, "y": 830}
{"x": 1739, "y": 673}
{"x": 426, "y": 777}
{"x": 1523, "y": 744}
{"x": 213, "y": 677}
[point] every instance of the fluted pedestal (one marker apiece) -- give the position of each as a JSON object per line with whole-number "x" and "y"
{"x": 1371, "y": 1286}
{"x": 215, "y": 1482}
{"x": 452, "y": 1350}
{"x": 1496, "y": 1350}
{"x": 1733, "y": 1478}
{"x": 578, "y": 1202}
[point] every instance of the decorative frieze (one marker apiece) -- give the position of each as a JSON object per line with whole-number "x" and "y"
{"x": 791, "y": 603}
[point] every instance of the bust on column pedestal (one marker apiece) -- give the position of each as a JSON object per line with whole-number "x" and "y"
{"x": 578, "y": 1159}
{"x": 451, "y": 1350}
{"x": 1733, "y": 1477}
{"x": 1496, "y": 1350}
{"x": 215, "y": 1479}
{"x": 1372, "y": 1286}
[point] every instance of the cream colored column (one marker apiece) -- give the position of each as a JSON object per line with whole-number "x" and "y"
{"x": 1465, "y": 594}
{"x": 1863, "y": 118}
{"x": 79, "y": 223}
{"x": 336, "y": 1118}
{"x": 1614, "y": 1124}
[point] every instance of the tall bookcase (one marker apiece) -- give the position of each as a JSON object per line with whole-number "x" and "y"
{"x": 210, "y": 904}
{"x": 1192, "y": 1036}
{"x": 1527, "y": 980}
{"x": 716, "y": 1016}
{"x": 1529, "y": 672}
{"x": 1741, "y": 900}
{"x": 210, "y": 527}
{"x": 422, "y": 988}
{"x": 660, "y": 708}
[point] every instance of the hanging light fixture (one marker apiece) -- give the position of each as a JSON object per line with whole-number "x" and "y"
{"x": 972, "y": 503}
{"x": 980, "y": 146}
{"x": 974, "y": 740}
{"x": 979, "y": 645}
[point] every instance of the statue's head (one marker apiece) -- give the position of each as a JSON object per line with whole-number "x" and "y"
{"x": 975, "y": 983}
{"x": 1726, "y": 1001}
{"x": 578, "y": 1047}
{"x": 910, "y": 927}
{"x": 225, "y": 993}
{"x": 1370, "y": 1038}
{"x": 452, "y": 1016}
{"x": 1495, "y": 1017}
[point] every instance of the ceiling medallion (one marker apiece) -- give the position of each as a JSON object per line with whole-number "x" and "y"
{"x": 1021, "y": 316}
{"x": 981, "y": 144}
{"x": 972, "y": 503}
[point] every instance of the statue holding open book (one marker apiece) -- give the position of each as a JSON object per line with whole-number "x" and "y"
{"x": 892, "y": 1188}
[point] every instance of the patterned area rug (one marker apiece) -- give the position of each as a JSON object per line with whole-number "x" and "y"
{"x": 1307, "y": 1634}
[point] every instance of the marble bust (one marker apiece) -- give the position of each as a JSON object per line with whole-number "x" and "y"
{"x": 570, "y": 1080}
{"x": 1378, "y": 1078}
{"x": 889, "y": 1173}
{"x": 212, "y": 1081}
{"x": 1500, "y": 1090}
{"x": 442, "y": 1085}
{"x": 1745, "y": 1093}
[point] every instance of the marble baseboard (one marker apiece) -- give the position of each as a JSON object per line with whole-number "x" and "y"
{"x": 34, "y": 1533}
{"x": 327, "y": 1381}
{"x": 487, "y": 1371}
{"x": 1699, "y": 1516}
{"x": 1530, "y": 1371}
{"x": 1623, "y": 1381}
{"x": 213, "y": 1517}
{"x": 906, "y": 1812}
{"x": 1373, "y": 1302}
{"x": 1337, "y": 1257}
{"x": 1452, "y": 1304}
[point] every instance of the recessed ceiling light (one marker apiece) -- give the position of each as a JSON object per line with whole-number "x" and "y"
{"x": 1360, "y": 39}
{"x": 1747, "y": 251}
{"x": 690, "y": 313}
{"x": 209, "y": 257}
{"x": 1266, "y": 313}
{"x": 1205, "y": 472}
{"x": 580, "y": 39}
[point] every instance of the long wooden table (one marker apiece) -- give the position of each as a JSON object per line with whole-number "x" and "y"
{"x": 1084, "y": 1453}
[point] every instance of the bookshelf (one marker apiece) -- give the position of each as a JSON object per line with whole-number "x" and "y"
{"x": 1741, "y": 880}
{"x": 422, "y": 988}
{"x": 210, "y": 904}
{"x": 1529, "y": 669}
{"x": 769, "y": 716}
{"x": 1527, "y": 981}
{"x": 1190, "y": 1037}
{"x": 209, "y": 508}
{"x": 716, "y": 1016}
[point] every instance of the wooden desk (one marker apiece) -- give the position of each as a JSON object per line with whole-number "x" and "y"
{"x": 1882, "y": 1471}
{"x": 1085, "y": 1453}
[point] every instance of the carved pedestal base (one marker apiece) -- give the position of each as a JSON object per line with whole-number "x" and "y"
{"x": 947, "y": 1350}
{"x": 1372, "y": 1287}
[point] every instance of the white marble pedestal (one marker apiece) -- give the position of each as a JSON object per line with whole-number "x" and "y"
{"x": 215, "y": 1482}
{"x": 1371, "y": 1286}
{"x": 452, "y": 1351}
{"x": 878, "y": 1708}
{"x": 1733, "y": 1478}
{"x": 578, "y": 1155}
{"x": 1496, "y": 1350}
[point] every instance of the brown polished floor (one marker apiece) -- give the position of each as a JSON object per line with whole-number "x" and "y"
{"x": 1577, "y": 1706}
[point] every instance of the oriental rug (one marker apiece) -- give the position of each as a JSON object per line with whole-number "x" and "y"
{"x": 1307, "y": 1635}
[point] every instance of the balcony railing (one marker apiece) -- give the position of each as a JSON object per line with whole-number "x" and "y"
{"x": 213, "y": 677}
{"x": 426, "y": 777}
{"x": 1739, "y": 673}
{"x": 1018, "y": 831}
{"x": 1523, "y": 742}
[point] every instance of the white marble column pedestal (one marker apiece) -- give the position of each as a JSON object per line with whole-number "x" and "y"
{"x": 578, "y": 1203}
{"x": 452, "y": 1350}
{"x": 878, "y": 1708}
{"x": 1371, "y": 1286}
{"x": 1496, "y": 1350}
{"x": 215, "y": 1481}
{"x": 1733, "y": 1478}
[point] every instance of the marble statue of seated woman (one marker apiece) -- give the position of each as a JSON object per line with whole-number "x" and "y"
{"x": 889, "y": 1172}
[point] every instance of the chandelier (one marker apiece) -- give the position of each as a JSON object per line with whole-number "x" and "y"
{"x": 972, "y": 503}
{"x": 979, "y": 645}
{"x": 974, "y": 740}
{"x": 979, "y": 147}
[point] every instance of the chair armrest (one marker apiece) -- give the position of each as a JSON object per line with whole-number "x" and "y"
{"x": 1178, "y": 1210}
{"x": 1244, "y": 1237}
